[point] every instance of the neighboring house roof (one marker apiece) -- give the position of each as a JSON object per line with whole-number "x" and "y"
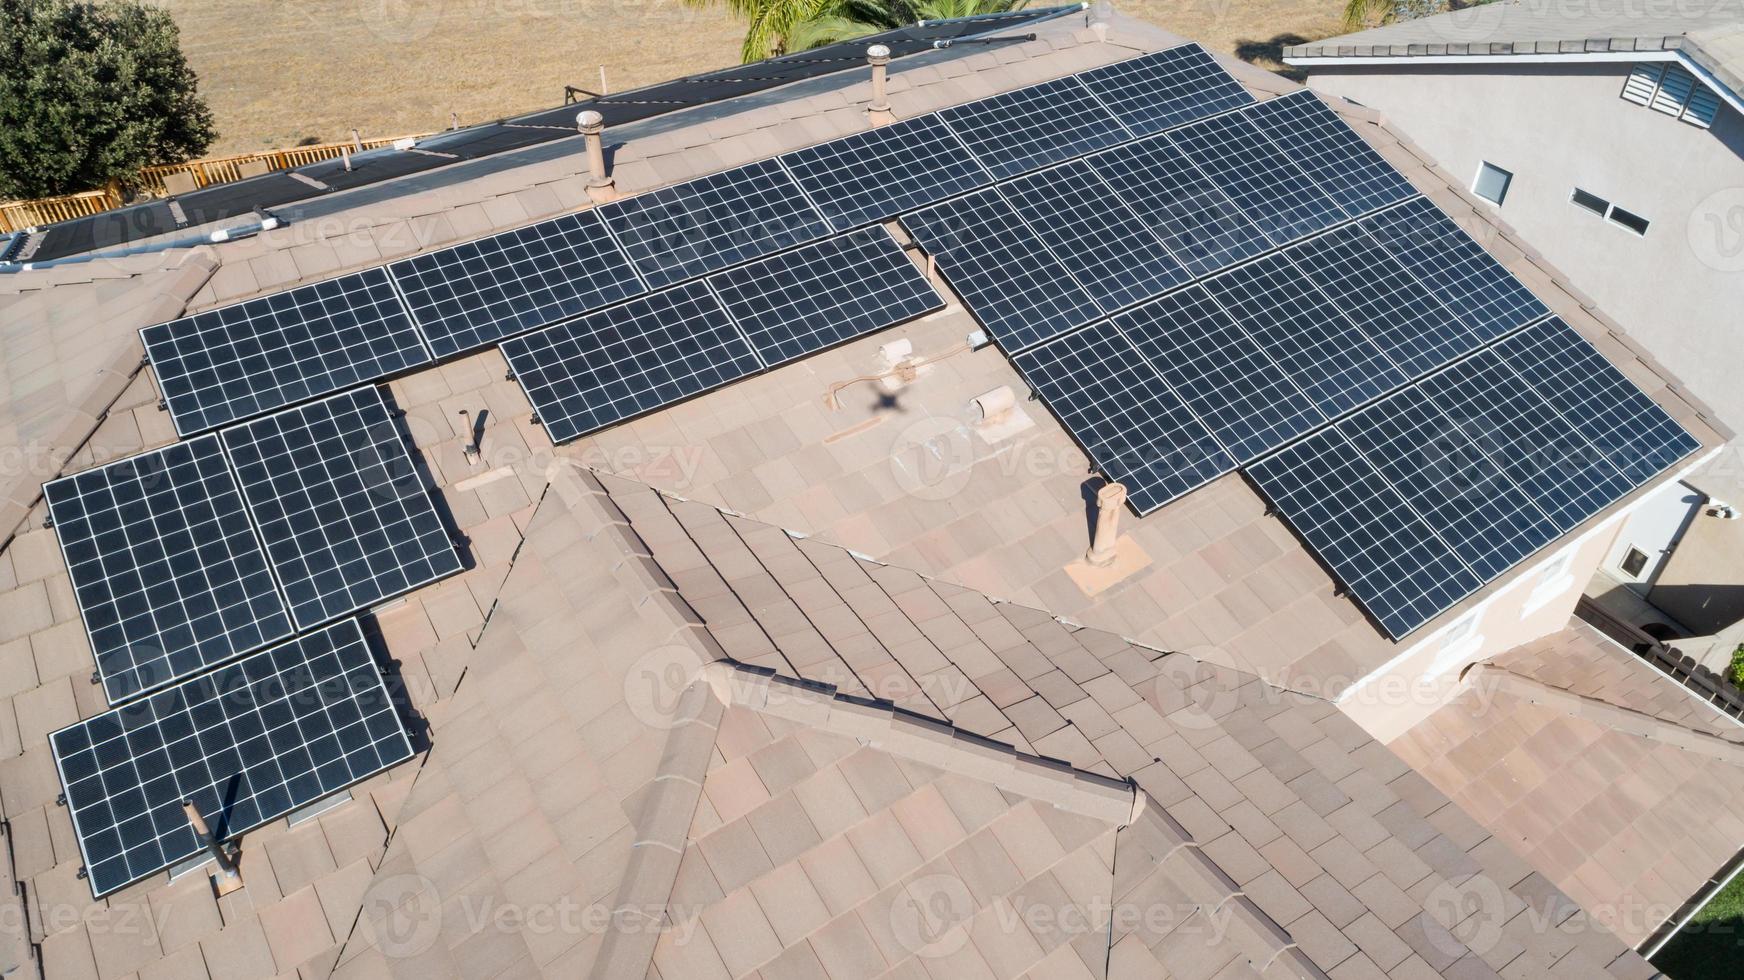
{"x": 1710, "y": 34}
{"x": 1590, "y": 763}
{"x": 541, "y": 782}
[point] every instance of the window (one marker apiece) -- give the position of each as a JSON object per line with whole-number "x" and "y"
{"x": 1588, "y": 201}
{"x": 1668, "y": 88}
{"x": 1634, "y": 562}
{"x": 1492, "y": 182}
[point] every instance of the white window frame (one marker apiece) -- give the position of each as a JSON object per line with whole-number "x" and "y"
{"x": 1610, "y": 207}
{"x": 1507, "y": 183}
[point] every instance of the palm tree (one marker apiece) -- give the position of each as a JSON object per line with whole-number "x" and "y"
{"x": 782, "y": 26}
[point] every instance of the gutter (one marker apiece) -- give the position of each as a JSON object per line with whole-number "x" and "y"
{"x": 1675, "y": 924}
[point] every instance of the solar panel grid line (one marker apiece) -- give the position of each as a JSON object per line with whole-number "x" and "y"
{"x": 1280, "y": 199}
{"x": 1447, "y": 478}
{"x": 1023, "y": 129}
{"x": 165, "y": 566}
{"x": 340, "y": 506}
{"x": 1184, "y": 207}
{"x": 222, "y": 365}
{"x": 470, "y": 295}
{"x": 1331, "y": 152}
{"x": 418, "y": 328}
{"x": 1147, "y": 93}
{"x": 875, "y": 175}
{"x": 246, "y": 743}
{"x": 1374, "y": 543}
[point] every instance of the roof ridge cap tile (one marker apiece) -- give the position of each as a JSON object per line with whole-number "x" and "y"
{"x": 1615, "y": 717}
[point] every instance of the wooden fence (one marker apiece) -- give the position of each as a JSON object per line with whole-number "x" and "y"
{"x": 18, "y": 215}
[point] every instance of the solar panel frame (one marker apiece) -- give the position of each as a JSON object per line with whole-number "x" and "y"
{"x": 1384, "y": 299}
{"x": 1021, "y": 130}
{"x": 1389, "y": 559}
{"x": 1281, "y": 200}
{"x": 1324, "y": 146}
{"x": 875, "y": 175}
{"x": 1528, "y": 438}
{"x": 473, "y": 294}
{"x": 317, "y": 704}
{"x": 643, "y": 354}
{"x": 222, "y": 365}
{"x": 1483, "y": 294}
{"x": 1124, "y": 415}
{"x": 1322, "y": 351}
{"x": 1237, "y": 392}
{"x": 1447, "y": 478}
{"x": 706, "y": 224}
{"x": 1153, "y": 92}
{"x": 341, "y": 508}
{"x": 1100, "y": 241}
{"x": 819, "y": 295}
{"x": 1198, "y": 223}
{"x": 208, "y": 594}
{"x": 1630, "y": 429}
{"x": 1000, "y": 268}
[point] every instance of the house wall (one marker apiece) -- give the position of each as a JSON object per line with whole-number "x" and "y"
{"x": 1557, "y": 127}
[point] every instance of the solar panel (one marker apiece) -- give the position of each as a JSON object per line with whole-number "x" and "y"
{"x": 1332, "y": 361}
{"x": 1526, "y": 436}
{"x": 1363, "y": 531}
{"x": 1456, "y": 269}
{"x": 341, "y": 508}
{"x": 479, "y": 292}
{"x": 628, "y": 359}
{"x": 878, "y": 174}
{"x": 1230, "y": 384}
{"x": 1385, "y": 300}
{"x": 1448, "y": 480}
{"x": 1282, "y": 200}
{"x": 1001, "y": 269}
{"x": 1345, "y": 166}
{"x": 165, "y": 568}
{"x": 1152, "y": 92}
{"x": 1198, "y": 223}
{"x": 819, "y": 295}
{"x": 1629, "y": 428}
{"x": 230, "y": 363}
{"x": 1097, "y": 238}
{"x": 247, "y": 744}
{"x": 1032, "y": 127}
{"x": 1124, "y": 415}
{"x": 702, "y": 225}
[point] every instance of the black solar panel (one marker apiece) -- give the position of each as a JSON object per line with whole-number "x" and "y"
{"x": 344, "y": 514}
{"x": 1125, "y": 416}
{"x": 247, "y": 744}
{"x": 1456, "y": 269}
{"x": 1386, "y": 301}
{"x": 1282, "y": 200}
{"x": 230, "y": 363}
{"x": 819, "y": 295}
{"x": 1032, "y": 127}
{"x": 1316, "y": 345}
{"x": 1244, "y": 398}
{"x": 1198, "y": 223}
{"x": 1001, "y": 269}
{"x": 878, "y": 174}
{"x": 1362, "y": 529}
{"x": 628, "y": 359}
{"x": 165, "y": 567}
{"x": 1629, "y": 428}
{"x": 702, "y": 225}
{"x": 1526, "y": 436}
{"x": 1345, "y": 166}
{"x": 1447, "y": 479}
{"x": 1155, "y": 91}
{"x": 479, "y": 292}
{"x": 1097, "y": 238}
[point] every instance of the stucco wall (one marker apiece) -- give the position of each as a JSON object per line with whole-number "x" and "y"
{"x": 1680, "y": 288}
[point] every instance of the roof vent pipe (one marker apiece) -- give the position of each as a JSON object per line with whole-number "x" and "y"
{"x": 878, "y": 56}
{"x": 593, "y": 126}
{"x": 1103, "y": 550}
{"x": 1100, "y": 10}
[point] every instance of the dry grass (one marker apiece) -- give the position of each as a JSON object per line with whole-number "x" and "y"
{"x": 280, "y": 71}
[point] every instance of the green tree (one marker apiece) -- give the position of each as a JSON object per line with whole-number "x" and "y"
{"x": 90, "y": 93}
{"x": 780, "y": 26}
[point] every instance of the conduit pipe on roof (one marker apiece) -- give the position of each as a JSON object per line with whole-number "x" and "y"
{"x": 266, "y": 222}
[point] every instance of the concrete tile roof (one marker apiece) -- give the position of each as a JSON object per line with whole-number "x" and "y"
{"x": 1590, "y": 770}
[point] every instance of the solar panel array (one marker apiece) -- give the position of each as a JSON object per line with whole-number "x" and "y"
{"x": 216, "y": 367}
{"x": 1017, "y": 131}
{"x": 870, "y": 176}
{"x": 246, "y": 744}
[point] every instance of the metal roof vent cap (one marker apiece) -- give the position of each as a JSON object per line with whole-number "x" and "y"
{"x": 878, "y": 56}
